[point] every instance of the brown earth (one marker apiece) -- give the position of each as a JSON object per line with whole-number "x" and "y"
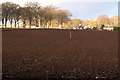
{"x": 52, "y": 54}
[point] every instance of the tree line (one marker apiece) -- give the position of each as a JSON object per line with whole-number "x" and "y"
{"x": 100, "y": 21}
{"x": 33, "y": 14}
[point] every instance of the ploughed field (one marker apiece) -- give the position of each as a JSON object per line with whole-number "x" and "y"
{"x": 52, "y": 54}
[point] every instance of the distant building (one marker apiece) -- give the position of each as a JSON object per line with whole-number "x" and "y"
{"x": 112, "y": 26}
{"x": 108, "y": 28}
{"x": 79, "y": 26}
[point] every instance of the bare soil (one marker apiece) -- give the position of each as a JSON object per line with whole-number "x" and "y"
{"x": 52, "y": 54}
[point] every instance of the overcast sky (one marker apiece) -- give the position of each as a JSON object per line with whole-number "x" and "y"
{"x": 80, "y": 9}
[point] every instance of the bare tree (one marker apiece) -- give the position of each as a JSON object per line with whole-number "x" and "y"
{"x": 49, "y": 15}
{"x": 8, "y": 12}
{"x": 30, "y": 13}
{"x": 114, "y": 20}
{"x": 16, "y": 16}
{"x": 5, "y": 13}
{"x": 23, "y": 15}
{"x": 103, "y": 20}
{"x": 40, "y": 16}
{"x": 13, "y": 13}
{"x": 62, "y": 16}
{"x": 33, "y": 9}
{"x": 33, "y": 14}
{"x": 91, "y": 23}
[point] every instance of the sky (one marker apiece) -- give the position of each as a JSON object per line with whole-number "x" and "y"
{"x": 87, "y": 10}
{"x": 80, "y": 9}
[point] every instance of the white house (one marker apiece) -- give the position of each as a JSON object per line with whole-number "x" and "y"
{"x": 108, "y": 28}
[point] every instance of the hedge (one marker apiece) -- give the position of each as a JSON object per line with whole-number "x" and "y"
{"x": 116, "y": 28}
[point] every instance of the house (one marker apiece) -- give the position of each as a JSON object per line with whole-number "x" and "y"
{"x": 79, "y": 26}
{"x": 108, "y": 28}
{"x": 111, "y": 28}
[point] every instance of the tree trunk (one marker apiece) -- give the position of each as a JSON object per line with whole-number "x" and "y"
{"x": 41, "y": 23}
{"x": 5, "y": 22}
{"x": 61, "y": 25}
{"x": 30, "y": 23}
{"x": 24, "y": 24}
{"x": 47, "y": 25}
{"x": 15, "y": 23}
{"x": 2, "y": 22}
{"x": 11, "y": 22}
{"x": 18, "y": 23}
{"x": 36, "y": 23}
{"x": 50, "y": 23}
